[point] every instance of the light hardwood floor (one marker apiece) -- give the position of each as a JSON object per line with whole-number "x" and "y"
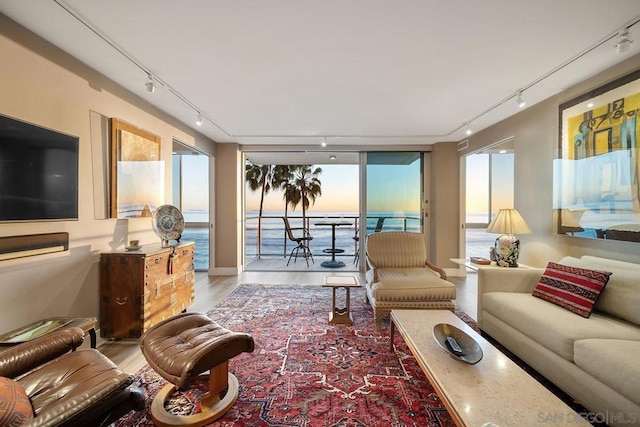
{"x": 210, "y": 290}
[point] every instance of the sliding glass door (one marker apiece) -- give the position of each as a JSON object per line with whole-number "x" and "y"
{"x": 489, "y": 188}
{"x": 394, "y": 191}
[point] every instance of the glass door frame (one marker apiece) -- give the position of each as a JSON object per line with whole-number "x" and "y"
{"x": 177, "y": 182}
{"x": 424, "y": 210}
{"x": 463, "y": 193}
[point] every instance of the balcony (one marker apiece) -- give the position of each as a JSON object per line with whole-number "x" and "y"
{"x": 273, "y": 253}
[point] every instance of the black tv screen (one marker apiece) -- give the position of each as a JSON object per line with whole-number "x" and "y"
{"x": 38, "y": 173}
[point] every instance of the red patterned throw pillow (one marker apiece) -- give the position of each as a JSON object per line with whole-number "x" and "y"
{"x": 15, "y": 406}
{"x": 573, "y": 288}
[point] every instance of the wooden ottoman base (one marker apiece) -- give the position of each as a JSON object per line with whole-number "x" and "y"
{"x": 212, "y": 406}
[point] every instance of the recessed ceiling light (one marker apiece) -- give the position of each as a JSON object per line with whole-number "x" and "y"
{"x": 332, "y": 157}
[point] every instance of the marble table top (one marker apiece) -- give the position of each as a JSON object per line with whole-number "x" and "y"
{"x": 494, "y": 390}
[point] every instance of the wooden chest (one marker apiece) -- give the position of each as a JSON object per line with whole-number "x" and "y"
{"x": 140, "y": 288}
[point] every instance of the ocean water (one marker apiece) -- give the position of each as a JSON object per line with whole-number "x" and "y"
{"x": 201, "y": 238}
{"x": 276, "y": 243}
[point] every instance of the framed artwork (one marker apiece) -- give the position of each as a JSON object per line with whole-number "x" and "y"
{"x": 596, "y": 172}
{"x": 136, "y": 171}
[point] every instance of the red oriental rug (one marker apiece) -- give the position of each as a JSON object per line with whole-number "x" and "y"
{"x": 306, "y": 372}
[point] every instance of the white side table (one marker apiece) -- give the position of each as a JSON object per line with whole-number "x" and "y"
{"x": 475, "y": 267}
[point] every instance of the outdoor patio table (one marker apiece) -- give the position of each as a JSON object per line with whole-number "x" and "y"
{"x": 333, "y": 263}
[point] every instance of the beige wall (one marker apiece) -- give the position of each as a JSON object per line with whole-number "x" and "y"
{"x": 445, "y": 204}
{"x": 42, "y": 85}
{"x": 228, "y": 235}
{"x": 535, "y": 132}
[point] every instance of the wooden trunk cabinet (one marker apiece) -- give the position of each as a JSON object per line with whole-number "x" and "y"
{"x": 140, "y": 288}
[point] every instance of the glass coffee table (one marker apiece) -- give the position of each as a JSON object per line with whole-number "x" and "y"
{"x": 48, "y": 325}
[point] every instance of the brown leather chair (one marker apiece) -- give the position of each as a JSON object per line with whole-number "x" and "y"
{"x": 68, "y": 387}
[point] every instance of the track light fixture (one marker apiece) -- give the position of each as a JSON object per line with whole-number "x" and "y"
{"x": 468, "y": 131}
{"x": 519, "y": 101}
{"x": 624, "y": 41}
{"x": 151, "y": 86}
{"x": 199, "y": 121}
{"x": 324, "y": 141}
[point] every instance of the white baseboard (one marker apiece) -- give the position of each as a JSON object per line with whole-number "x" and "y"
{"x": 225, "y": 271}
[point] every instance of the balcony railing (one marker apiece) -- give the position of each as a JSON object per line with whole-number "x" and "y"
{"x": 272, "y": 239}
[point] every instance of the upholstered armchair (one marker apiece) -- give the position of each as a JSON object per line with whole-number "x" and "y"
{"x": 45, "y": 382}
{"x": 399, "y": 275}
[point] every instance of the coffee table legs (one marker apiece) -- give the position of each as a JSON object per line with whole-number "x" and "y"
{"x": 341, "y": 315}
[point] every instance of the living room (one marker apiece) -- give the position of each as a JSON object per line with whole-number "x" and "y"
{"x": 43, "y": 85}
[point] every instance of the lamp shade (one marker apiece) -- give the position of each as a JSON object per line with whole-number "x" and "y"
{"x": 508, "y": 221}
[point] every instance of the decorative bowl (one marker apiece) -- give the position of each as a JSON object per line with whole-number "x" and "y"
{"x": 471, "y": 350}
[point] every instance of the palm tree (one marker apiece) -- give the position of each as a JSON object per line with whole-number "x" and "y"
{"x": 263, "y": 178}
{"x": 285, "y": 175}
{"x": 304, "y": 188}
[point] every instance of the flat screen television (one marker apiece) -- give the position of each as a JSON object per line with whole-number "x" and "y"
{"x": 38, "y": 173}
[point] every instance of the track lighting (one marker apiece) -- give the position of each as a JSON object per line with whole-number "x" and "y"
{"x": 519, "y": 101}
{"x": 624, "y": 41}
{"x": 151, "y": 86}
{"x": 468, "y": 131}
{"x": 199, "y": 121}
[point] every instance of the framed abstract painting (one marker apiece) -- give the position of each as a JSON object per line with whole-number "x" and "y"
{"x": 596, "y": 172}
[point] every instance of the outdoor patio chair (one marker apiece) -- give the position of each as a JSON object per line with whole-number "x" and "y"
{"x": 301, "y": 241}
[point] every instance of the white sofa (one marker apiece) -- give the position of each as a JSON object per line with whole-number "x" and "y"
{"x": 596, "y": 360}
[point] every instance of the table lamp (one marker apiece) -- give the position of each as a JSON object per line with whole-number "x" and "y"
{"x": 508, "y": 223}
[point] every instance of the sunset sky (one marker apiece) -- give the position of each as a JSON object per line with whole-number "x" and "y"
{"x": 340, "y": 187}
{"x": 339, "y": 192}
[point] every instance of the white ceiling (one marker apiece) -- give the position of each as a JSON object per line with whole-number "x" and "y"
{"x": 357, "y": 72}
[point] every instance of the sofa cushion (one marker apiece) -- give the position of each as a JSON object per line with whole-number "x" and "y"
{"x": 613, "y": 362}
{"x": 621, "y": 297}
{"x": 573, "y": 288}
{"x": 610, "y": 263}
{"x": 15, "y": 407}
{"x": 410, "y": 284}
{"x": 552, "y": 326}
